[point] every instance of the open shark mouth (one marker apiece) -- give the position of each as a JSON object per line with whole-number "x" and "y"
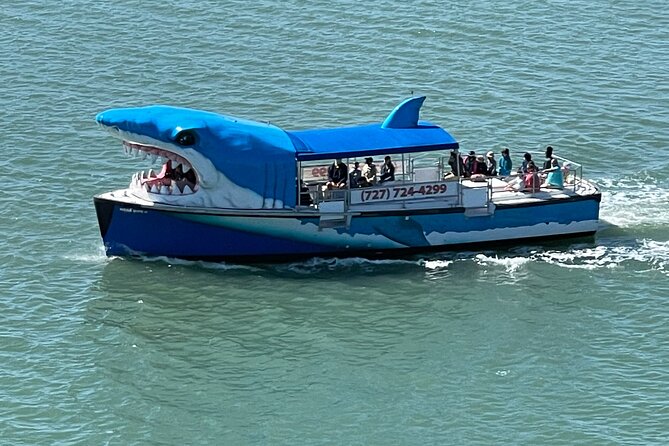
{"x": 204, "y": 158}
{"x": 177, "y": 176}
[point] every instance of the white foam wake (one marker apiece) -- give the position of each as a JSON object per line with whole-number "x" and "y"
{"x": 632, "y": 202}
{"x": 653, "y": 254}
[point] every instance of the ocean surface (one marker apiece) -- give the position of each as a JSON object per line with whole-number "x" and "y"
{"x": 563, "y": 343}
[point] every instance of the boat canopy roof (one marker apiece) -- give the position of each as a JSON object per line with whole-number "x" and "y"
{"x": 401, "y": 132}
{"x": 369, "y": 140}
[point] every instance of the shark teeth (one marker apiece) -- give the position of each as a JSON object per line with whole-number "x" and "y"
{"x": 177, "y": 176}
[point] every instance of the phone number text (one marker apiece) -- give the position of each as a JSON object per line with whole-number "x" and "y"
{"x": 399, "y": 192}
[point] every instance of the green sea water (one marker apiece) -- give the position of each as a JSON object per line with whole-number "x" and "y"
{"x": 562, "y": 343}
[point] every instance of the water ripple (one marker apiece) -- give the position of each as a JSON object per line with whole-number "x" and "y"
{"x": 558, "y": 343}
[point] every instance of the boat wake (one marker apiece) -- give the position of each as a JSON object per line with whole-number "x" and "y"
{"x": 92, "y": 254}
{"x": 646, "y": 254}
{"x": 635, "y": 202}
{"x": 641, "y": 255}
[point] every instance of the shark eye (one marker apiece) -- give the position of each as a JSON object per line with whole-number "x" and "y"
{"x": 185, "y": 138}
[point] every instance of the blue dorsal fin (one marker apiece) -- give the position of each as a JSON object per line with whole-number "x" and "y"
{"x": 405, "y": 115}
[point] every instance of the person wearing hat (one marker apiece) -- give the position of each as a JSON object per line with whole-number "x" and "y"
{"x": 491, "y": 164}
{"x": 505, "y": 164}
{"x": 479, "y": 166}
{"x": 369, "y": 172}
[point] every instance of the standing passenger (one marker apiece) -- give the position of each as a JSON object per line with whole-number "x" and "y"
{"x": 505, "y": 164}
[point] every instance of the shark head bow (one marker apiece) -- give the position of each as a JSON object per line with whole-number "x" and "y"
{"x": 210, "y": 160}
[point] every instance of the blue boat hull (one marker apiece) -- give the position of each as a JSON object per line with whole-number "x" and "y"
{"x": 135, "y": 229}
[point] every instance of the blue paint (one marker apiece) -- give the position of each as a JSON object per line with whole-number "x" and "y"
{"x": 208, "y": 236}
{"x": 263, "y": 158}
{"x": 405, "y": 115}
{"x": 257, "y": 156}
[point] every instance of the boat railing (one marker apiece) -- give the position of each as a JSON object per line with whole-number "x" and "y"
{"x": 572, "y": 173}
{"x": 397, "y": 194}
{"x": 430, "y": 177}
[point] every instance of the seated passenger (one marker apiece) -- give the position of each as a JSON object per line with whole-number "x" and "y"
{"x": 469, "y": 163}
{"x": 368, "y": 173}
{"x": 387, "y": 171}
{"x": 515, "y": 185}
{"x": 567, "y": 175}
{"x": 337, "y": 175}
{"x": 355, "y": 176}
{"x": 305, "y": 196}
{"x": 527, "y": 158}
{"x": 528, "y": 182}
{"x": 456, "y": 164}
{"x": 479, "y": 170}
{"x": 531, "y": 179}
{"x": 554, "y": 178}
{"x": 491, "y": 164}
{"x": 549, "y": 158}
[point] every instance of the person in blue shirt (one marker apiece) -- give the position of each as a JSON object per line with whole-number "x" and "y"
{"x": 505, "y": 164}
{"x": 554, "y": 177}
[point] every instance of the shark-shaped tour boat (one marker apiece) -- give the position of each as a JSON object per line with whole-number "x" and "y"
{"x": 245, "y": 191}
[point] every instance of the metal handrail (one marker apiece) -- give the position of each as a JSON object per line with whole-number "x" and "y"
{"x": 574, "y": 173}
